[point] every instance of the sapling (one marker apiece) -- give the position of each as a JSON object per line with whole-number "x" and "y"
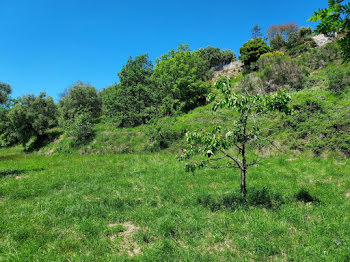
{"x": 228, "y": 149}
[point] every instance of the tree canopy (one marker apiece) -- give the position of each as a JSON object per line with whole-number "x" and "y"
{"x": 252, "y": 50}
{"x": 229, "y": 148}
{"x": 129, "y": 101}
{"x": 179, "y": 79}
{"x": 78, "y": 96}
{"x": 32, "y": 116}
{"x": 5, "y": 90}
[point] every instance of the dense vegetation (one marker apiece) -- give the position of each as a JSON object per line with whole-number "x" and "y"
{"x": 96, "y": 176}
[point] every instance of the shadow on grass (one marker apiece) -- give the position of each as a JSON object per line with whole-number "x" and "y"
{"x": 17, "y": 172}
{"x": 11, "y": 157}
{"x": 43, "y": 140}
{"x": 263, "y": 198}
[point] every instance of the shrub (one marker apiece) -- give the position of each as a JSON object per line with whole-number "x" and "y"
{"x": 279, "y": 71}
{"x": 162, "y": 132}
{"x": 298, "y": 50}
{"x": 338, "y": 80}
{"x": 251, "y": 51}
{"x": 277, "y": 42}
{"x": 251, "y": 83}
{"x": 318, "y": 57}
{"x": 80, "y": 127}
{"x": 78, "y": 96}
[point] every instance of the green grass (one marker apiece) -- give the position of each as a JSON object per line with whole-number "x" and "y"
{"x": 145, "y": 208}
{"x": 114, "y": 200}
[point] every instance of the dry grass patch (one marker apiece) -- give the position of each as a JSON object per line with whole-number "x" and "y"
{"x": 126, "y": 232}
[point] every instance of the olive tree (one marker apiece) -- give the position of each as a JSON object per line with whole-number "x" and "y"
{"x": 32, "y": 116}
{"x": 229, "y": 149}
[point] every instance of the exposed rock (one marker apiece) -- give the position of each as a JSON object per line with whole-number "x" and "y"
{"x": 323, "y": 39}
{"x": 232, "y": 69}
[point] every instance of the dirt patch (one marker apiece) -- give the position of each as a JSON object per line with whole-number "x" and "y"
{"x": 127, "y": 244}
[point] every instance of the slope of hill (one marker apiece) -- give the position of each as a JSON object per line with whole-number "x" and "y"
{"x": 124, "y": 197}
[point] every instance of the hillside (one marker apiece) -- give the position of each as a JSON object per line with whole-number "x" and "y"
{"x": 101, "y": 182}
{"x": 320, "y": 124}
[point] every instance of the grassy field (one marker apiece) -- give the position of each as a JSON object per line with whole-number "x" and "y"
{"x": 131, "y": 207}
{"x": 123, "y": 196}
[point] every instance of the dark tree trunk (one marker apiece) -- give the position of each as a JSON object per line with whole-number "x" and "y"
{"x": 243, "y": 185}
{"x": 243, "y": 172}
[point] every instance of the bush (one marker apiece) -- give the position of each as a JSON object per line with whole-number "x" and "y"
{"x": 277, "y": 42}
{"x": 78, "y": 96}
{"x": 251, "y": 83}
{"x": 279, "y": 71}
{"x": 298, "y": 50}
{"x": 318, "y": 57}
{"x": 80, "y": 127}
{"x": 339, "y": 79}
{"x": 162, "y": 132}
{"x": 251, "y": 51}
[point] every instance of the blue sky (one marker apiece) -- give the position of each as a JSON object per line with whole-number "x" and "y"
{"x": 47, "y": 45}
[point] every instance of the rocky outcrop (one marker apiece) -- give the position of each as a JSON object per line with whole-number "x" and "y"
{"x": 323, "y": 39}
{"x": 232, "y": 69}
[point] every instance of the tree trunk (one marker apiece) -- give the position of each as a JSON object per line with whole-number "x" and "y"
{"x": 243, "y": 172}
{"x": 243, "y": 185}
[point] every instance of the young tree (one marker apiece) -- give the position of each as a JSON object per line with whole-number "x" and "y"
{"x": 32, "y": 116}
{"x": 335, "y": 18}
{"x": 256, "y": 32}
{"x": 230, "y": 149}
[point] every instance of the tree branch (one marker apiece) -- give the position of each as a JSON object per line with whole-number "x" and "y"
{"x": 236, "y": 160}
